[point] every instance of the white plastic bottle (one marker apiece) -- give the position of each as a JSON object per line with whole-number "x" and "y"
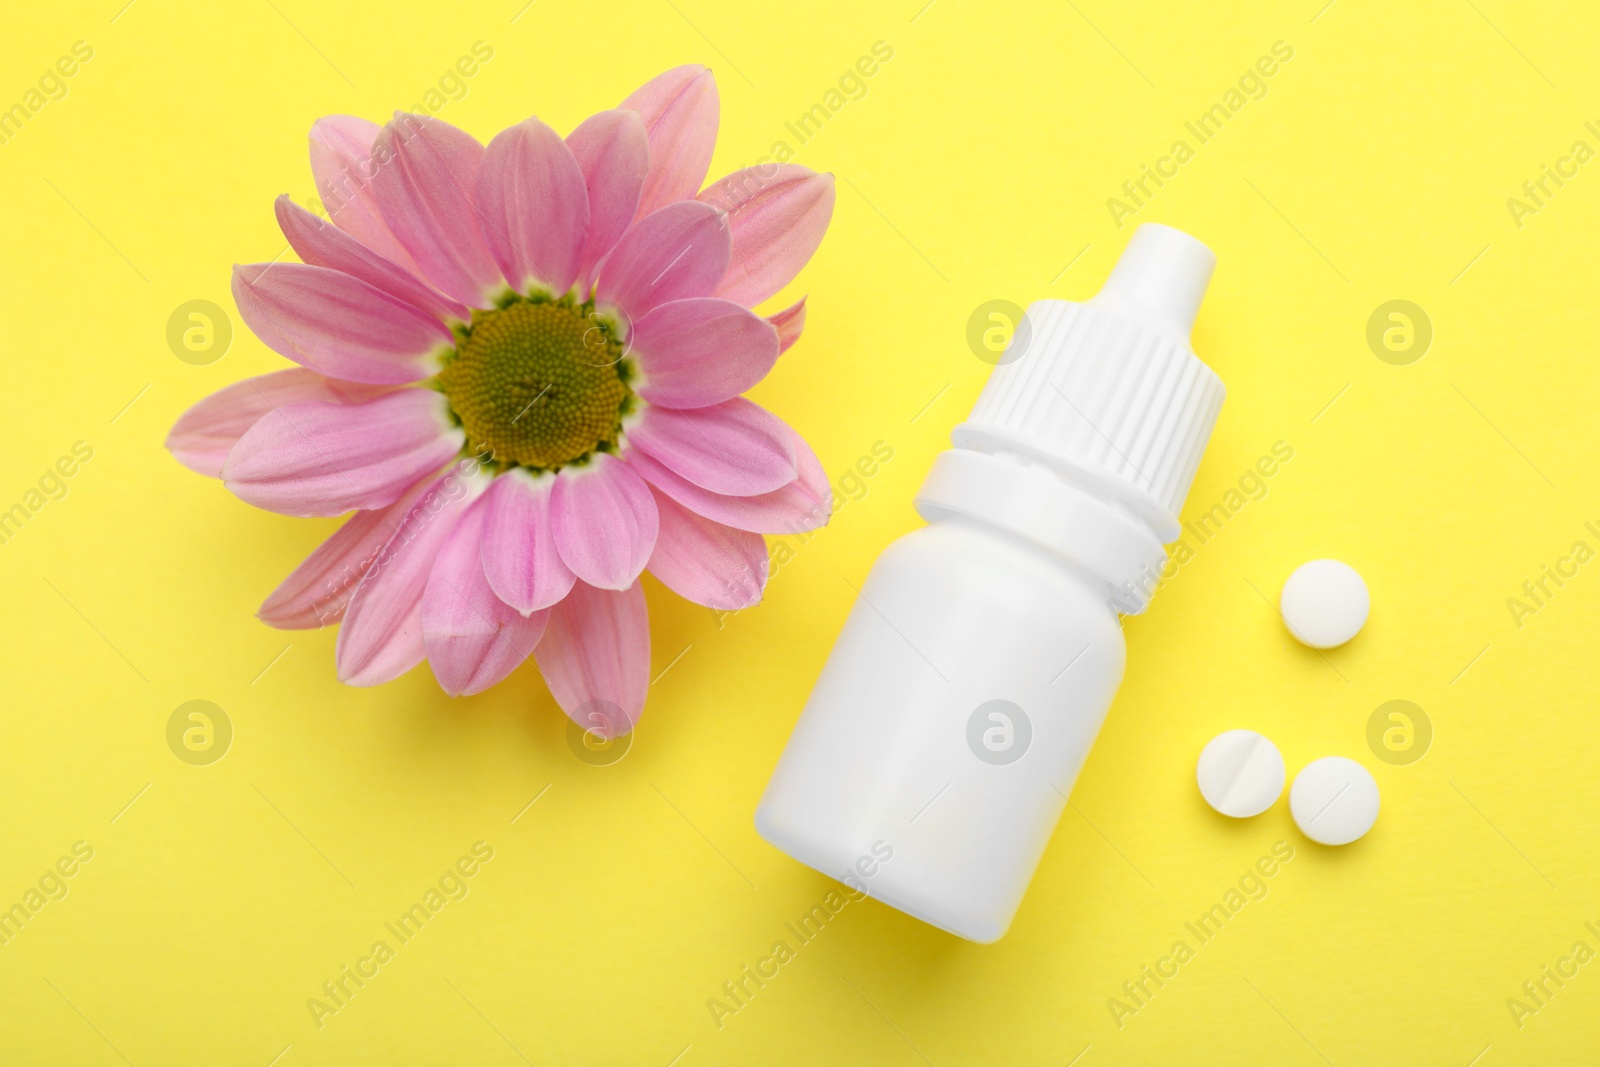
{"x": 936, "y": 753}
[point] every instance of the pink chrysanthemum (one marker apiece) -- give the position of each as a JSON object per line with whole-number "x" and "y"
{"x": 521, "y": 368}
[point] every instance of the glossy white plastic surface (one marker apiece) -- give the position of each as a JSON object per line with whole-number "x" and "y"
{"x": 942, "y": 740}
{"x": 953, "y": 625}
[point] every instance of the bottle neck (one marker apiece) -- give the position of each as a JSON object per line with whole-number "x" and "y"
{"x": 1128, "y": 497}
{"x": 1037, "y": 504}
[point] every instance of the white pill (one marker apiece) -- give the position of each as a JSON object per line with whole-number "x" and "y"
{"x": 1324, "y": 603}
{"x": 1334, "y": 800}
{"x": 1240, "y": 773}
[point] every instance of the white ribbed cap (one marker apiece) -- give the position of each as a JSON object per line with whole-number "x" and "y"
{"x": 1110, "y": 389}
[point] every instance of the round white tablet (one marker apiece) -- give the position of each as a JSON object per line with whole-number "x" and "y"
{"x": 1334, "y": 800}
{"x": 1240, "y": 773}
{"x": 1324, "y": 603}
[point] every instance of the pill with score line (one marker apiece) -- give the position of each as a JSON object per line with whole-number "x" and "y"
{"x": 1240, "y": 773}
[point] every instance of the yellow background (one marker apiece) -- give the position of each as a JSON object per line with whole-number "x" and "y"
{"x": 976, "y": 167}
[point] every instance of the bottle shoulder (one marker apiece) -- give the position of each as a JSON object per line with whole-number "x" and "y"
{"x": 1028, "y": 502}
{"x": 983, "y": 564}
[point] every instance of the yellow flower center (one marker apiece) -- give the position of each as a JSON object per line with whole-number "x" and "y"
{"x": 539, "y": 384}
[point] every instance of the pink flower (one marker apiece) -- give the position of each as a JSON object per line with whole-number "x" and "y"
{"x": 520, "y": 367}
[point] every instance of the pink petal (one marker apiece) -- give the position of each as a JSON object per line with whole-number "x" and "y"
{"x": 778, "y": 214}
{"x": 604, "y": 520}
{"x": 678, "y": 252}
{"x": 519, "y": 548}
{"x": 425, "y": 187}
{"x": 789, "y": 322}
{"x": 680, "y": 112}
{"x": 535, "y": 208}
{"x": 203, "y": 435}
{"x": 338, "y": 325}
{"x": 341, "y": 148}
{"x": 613, "y": 151}
{"x": 595, "y": 656}
{"x": 472, "y": 637}
{"x": 804, "y": 504}
{"x": 321, "y": 458}
{"x": 381, "y": 637}
{"x": 318, "y": 591}
{"x": 734, "y": 448}
{"x": 322, "y": 245}
{"x": 707, "y": 562}
{"x": 701, "y": 351}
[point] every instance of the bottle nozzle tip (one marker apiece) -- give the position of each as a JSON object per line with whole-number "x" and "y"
{"x": 1163, "y": 274}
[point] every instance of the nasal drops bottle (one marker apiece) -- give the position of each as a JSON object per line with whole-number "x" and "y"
{"x": 937, "y": 751}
